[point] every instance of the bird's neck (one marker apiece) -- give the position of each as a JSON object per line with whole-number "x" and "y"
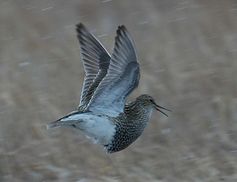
{"x": 137, "y": 111}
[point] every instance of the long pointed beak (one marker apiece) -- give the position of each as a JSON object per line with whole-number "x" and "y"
{"x": 158, "y": 108}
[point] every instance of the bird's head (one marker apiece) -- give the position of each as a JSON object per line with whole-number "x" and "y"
{"x": 148, "y": 102}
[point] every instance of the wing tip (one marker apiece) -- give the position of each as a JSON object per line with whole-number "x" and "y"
{"x": 121, "y": 28}
{"x": 121, "y": 32}
{"x": 80, "y": 25}
{"x": 123, "y": 38}
{"x": 80, "y": 28}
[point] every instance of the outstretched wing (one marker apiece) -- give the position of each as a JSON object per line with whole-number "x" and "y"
{"x": 122, "y": 77}
{"x": 95, "y": 61}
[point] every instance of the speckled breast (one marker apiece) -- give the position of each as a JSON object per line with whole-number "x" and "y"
{"x": 126, "y": 133}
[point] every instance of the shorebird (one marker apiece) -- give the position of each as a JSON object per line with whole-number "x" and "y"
{"x": 103, "y": 113}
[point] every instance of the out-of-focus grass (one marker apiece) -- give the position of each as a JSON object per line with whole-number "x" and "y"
{"x": 188, "y": 55}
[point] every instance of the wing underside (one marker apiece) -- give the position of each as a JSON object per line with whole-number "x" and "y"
{"x": 122, "y": 77}
{"x": 95, "y": 60}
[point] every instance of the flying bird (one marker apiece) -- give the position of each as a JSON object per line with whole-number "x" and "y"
{"x": 103, "y": 113}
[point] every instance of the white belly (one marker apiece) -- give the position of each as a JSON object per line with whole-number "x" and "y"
{"x": 99, "y": 128}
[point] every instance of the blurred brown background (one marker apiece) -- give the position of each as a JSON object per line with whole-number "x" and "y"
{"x": 188, "y": 55}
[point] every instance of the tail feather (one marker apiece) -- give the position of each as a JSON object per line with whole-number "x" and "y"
{"x": 54, "y": 124}
{"x": 67, "y": 120}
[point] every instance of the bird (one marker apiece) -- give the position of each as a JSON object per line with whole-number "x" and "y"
{"x": 103, "y": 114}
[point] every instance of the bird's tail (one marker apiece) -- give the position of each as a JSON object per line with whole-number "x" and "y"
{"x": 64, "y": 121}
{"x": 54, "y": 124}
